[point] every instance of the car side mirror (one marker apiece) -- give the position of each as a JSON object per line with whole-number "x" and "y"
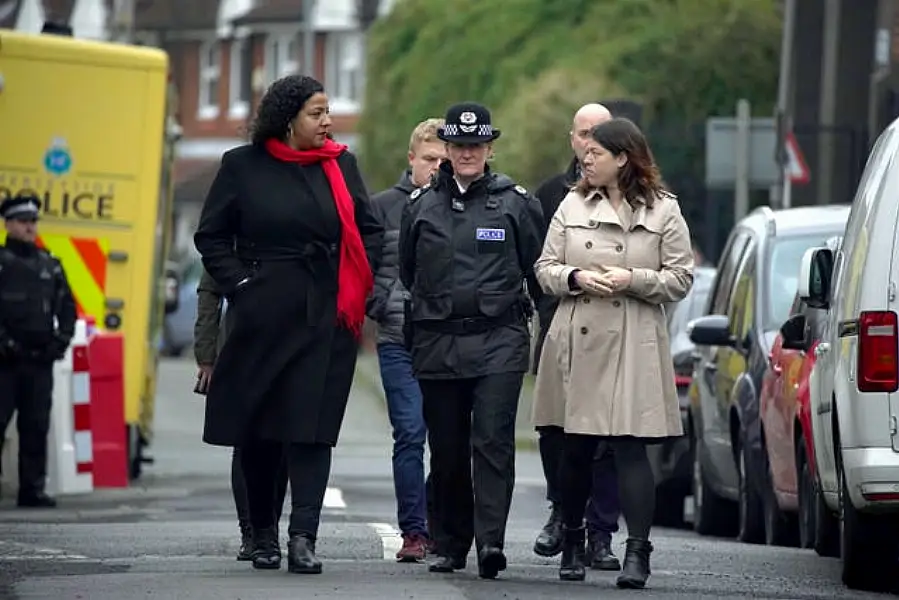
{"x": 172, "y": 291}
{"x": 711, "y": 330}
{"x": 794, "y": 333}
{"x": 815, "y": 275}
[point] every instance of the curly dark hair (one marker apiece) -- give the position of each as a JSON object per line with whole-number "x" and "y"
{"x": 280, "y": 104}
{"x": 640, "y": 176}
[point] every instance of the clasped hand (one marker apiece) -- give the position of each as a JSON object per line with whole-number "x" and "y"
{"x": 613, "y": 281}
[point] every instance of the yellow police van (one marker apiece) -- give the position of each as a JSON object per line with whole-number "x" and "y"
{"x": 83, "y": 125}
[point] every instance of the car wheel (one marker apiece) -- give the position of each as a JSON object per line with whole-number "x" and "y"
{"x": 868, "y": 545}
{"x": 781, "y": 528}
{"x": 712, "y": 514}
{"x": 806, "y": 492}
{"x": 750, "y": 514}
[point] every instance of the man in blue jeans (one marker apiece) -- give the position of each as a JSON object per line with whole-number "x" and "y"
{"x": 385, "y": 307}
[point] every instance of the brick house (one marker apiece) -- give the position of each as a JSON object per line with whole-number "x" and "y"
{"x": 224, "y": 54}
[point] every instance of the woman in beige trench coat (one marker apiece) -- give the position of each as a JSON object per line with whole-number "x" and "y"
{"x": 617, "y": 249}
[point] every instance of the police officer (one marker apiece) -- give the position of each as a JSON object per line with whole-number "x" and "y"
{"x": 468, "y": 241}
{"x": 37, "y": 321}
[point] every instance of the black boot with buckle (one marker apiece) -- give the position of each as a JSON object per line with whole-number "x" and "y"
{"x": 549, "y": 540}
{"x": 635, "y": 570}
{"x": 573, "y": 567}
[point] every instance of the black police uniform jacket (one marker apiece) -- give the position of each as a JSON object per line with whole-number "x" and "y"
{"x": 285, "y": 370}
{"x": 33, "y": 292}
{"x": 466, "y": 256}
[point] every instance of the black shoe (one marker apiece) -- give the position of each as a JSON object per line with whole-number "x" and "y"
{"x": 301, "y": 556}
{"x": 635, "y": 571}
{"x": 37, "y": 500}
{"x": 599, "y": 553}
{"x": 573, "y": 563}
{"x": 266, "y": 551}
{"x": 447, "y": 564}
{"x": 549, "y": 541}
{"x": 246, "y": 543}
{"x": 491, "y": 561}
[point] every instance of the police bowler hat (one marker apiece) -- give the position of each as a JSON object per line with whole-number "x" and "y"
{"x": 22, "y": 207}
{"x": 468, "y": 123}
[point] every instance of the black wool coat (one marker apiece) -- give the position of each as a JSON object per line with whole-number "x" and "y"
{"x": 285, "y": 371}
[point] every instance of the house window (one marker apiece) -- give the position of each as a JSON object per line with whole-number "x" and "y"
{"x": 210, "y": 73}
{"x": 282, "y": 56}
{"x": 343, "y": 70}
{"x": 238, "y": 79}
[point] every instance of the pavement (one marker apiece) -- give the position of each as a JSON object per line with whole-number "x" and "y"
{"x": 173, "y": 535}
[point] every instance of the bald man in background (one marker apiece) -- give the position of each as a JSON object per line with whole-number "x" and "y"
{"x": 603, "y": 509}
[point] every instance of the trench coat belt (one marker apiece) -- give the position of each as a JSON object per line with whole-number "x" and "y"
{"x": 471, "y": 325}
{"x": 311, "y": 252}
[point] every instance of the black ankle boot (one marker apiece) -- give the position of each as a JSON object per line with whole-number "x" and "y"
{"x": 635, "y": 570}
{"x": 549, "y": 541}
{"x": 266, "y": 551}
{"x": 301, "y": 555}
{"x": 246, "y": 543}
{"x": 573, "y": 555}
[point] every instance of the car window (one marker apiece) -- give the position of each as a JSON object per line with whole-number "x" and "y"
{"x": 783, "y": 275}
{"x": 740, "y": 311}
{"x": 726, "y": 273}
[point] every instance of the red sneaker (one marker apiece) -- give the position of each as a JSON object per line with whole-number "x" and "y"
{"x": 414, "y": 549}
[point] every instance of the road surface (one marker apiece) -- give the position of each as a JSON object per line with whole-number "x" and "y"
{"x": 174, "y": 535}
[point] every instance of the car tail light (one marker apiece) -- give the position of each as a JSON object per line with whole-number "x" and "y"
{"x": 682, "y": 380}
{"x": 878, "y": 363}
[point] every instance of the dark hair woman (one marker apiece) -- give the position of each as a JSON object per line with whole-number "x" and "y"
{"x": 285, "y": 232}
{"x": 617, "y": 250}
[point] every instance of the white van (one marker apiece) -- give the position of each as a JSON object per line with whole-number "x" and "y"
{"x": 853, "y": 385}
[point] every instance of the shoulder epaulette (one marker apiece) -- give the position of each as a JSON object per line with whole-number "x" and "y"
{"x": 669, "y": 194}
{"x": 521, "y": 191}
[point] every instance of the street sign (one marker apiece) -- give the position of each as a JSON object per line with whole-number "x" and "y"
{"x": 721, "y": 153}
{"x": 797, "y": 168}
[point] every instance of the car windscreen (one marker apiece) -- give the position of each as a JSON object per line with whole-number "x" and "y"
{"x": 783, "y": 274}
{"x": 691, "y": 307}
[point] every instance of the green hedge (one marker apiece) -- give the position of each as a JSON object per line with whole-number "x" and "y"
{"x": 532, "y": 62}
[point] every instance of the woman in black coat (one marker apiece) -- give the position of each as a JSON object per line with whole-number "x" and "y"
{"x": 288, "y": 235}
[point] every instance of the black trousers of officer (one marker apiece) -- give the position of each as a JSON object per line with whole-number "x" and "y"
{"x": 471, "y": 435}
{"x": 27, "y": 388}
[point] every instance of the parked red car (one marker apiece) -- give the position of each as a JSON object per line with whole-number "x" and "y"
{"x": 789, "y": 494}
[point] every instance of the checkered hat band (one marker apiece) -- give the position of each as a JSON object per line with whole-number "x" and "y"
{"x": 453, "y": 130}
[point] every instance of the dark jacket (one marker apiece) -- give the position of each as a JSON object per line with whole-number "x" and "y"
{"x": 37, "y": 308}
{"x": 550, "y": 194}
{"x": 385, "y": 306}
{"x": 464, "y": 258}
{"x": 285, "y": 370}
{"x": 209, "y": 334}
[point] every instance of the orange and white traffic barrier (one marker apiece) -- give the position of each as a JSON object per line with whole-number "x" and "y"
{"x": 70, "y": 447}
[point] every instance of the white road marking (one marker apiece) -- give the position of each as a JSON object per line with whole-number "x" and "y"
{"x": 14, "y": 551}
{"x": 334, "y": 498}
{"x": 391, "y": 539}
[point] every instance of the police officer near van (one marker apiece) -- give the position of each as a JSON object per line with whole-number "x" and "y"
{"x": 468, "y": 241}
{"x": 37, "y": 322}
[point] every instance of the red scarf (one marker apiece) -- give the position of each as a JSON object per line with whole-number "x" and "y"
{"x": 354, "y": 277}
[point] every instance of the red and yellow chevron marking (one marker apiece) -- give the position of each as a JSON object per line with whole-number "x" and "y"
{"x": 84, "y": 261}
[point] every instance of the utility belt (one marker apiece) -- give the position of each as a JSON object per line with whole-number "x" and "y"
{"x": 472, "y": 325}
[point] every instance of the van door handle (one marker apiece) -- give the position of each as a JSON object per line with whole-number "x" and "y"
{"x": 822, "y": 349}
